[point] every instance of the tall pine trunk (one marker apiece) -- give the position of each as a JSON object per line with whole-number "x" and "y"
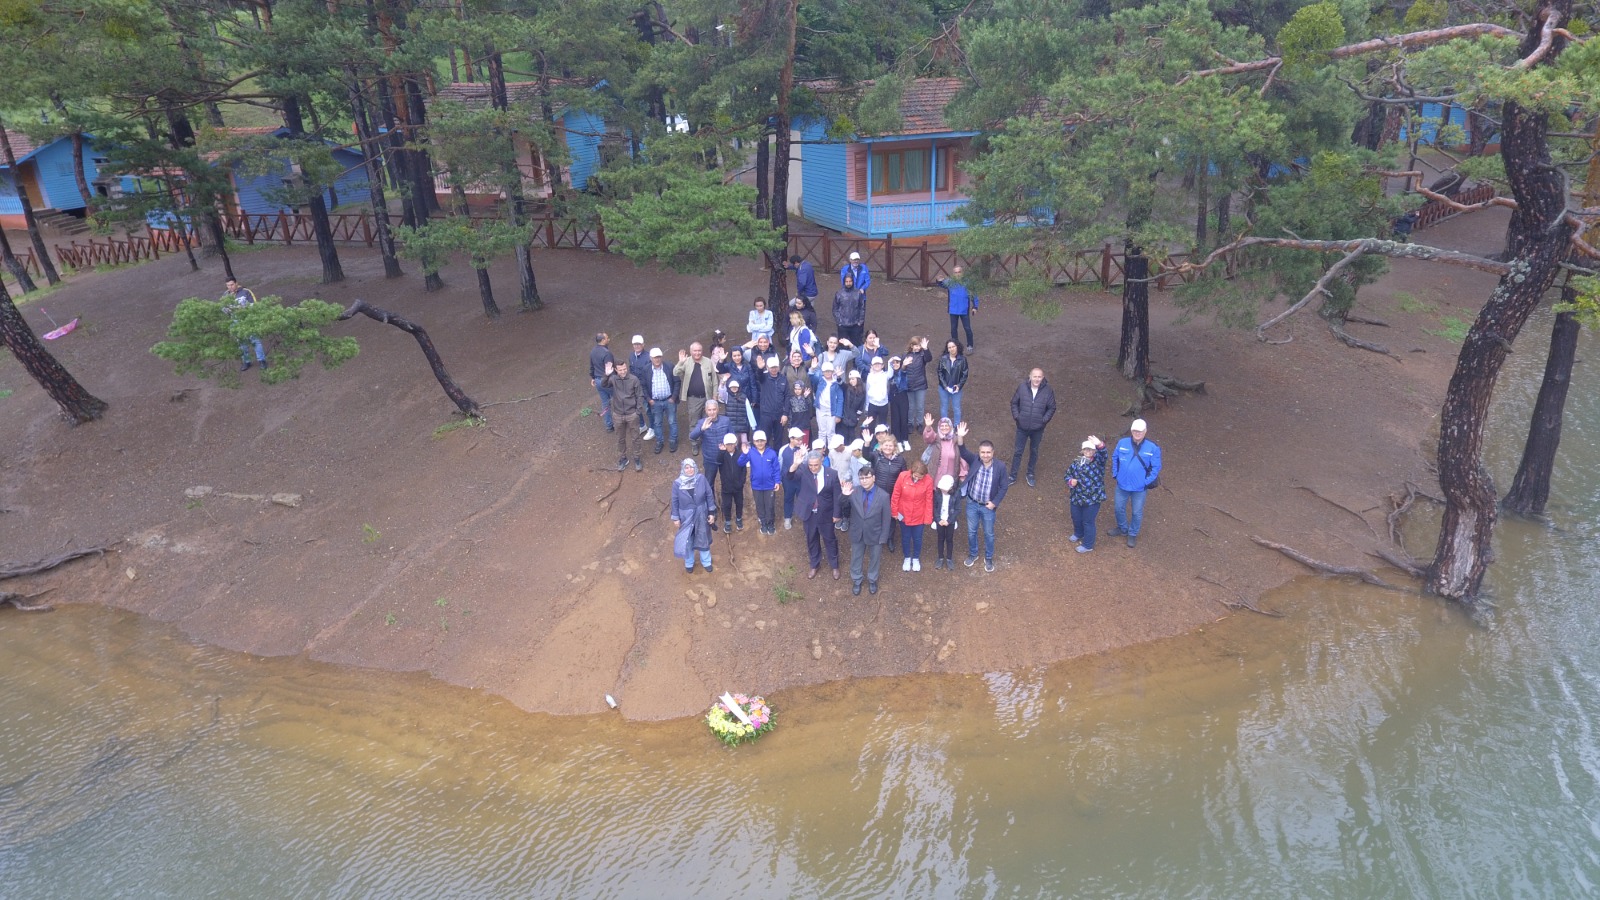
{"x": 516, "y": 205}
{"x": 39, "y": 253}
{"x": 77, "y": 405}
{"x": 15, "y": 266}
{"x": 1133, "y": 350}
{"x": 1530, "y": 489}
{"x": 1538, "y": 238}
{"x": 777, "y": 275}
{"x": 332, "y": 271}
{"x": 371, "y": 156}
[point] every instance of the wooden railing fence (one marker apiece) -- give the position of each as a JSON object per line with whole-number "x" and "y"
{"x": 921, "y": 263}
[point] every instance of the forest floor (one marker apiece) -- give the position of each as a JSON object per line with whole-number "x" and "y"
{"x": 512, "y": 558}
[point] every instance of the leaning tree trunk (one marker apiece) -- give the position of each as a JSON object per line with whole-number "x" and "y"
{"x": 1530, "y": 489}
{"x": 763, "y": 175}
{"x": 39, "y": 252}
{"x": 77, "y": 405}
{"x": 1538, "y": 238}
{"x": 466, "y": 404}
{"x": 1133, "y": 351}
{"x": 15, "y": 266}
{"x": 486, "y": 293}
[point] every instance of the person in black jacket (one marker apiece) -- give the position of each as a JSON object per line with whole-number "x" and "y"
{"x": 770, "y": 394}
{"x": 914, "y": 367}
{"x": 952, "y": 381}
{"x": 1032, "y": 407}
{"x": 732, "y": 474}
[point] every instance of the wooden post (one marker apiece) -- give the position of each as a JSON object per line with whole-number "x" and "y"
{"x": 366, "y": 228}
{"x": 827, "y": 253}
{"x": 600, "y": 236}
{"x": 1105, "y": 267}
{"x": 155, "y": 251}
{"x": 550, "y": 233}
{"x": 923, "y": 264}
{"x": 888, "y": 258}
{"x": 283, "y": 223}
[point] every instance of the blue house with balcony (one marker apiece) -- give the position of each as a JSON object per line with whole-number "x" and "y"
{"x": 45, "y": 172}
{"x": 907, "y": 183}
{"x": 583, "y": 131}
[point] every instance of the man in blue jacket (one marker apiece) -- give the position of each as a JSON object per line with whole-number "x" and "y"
{"x": 1135, "y": 466}
{"x": 984, "y": 489}
{"x": 762, "y": 461}
{"x": 805, "y": 279}
{"x": 857, "y": 272}
{"x": 963, "y": 303}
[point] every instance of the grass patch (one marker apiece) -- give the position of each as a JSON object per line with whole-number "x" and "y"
{"x": 1451, "y": 329}
{"x": 466, "y": 422}
{"x": 1407, "y": 302}
{"x": 1041, "y": 309}
{"x": 783, "y": 586}
{"x": 369, "y": 535}
{"x": 6, "y": 392}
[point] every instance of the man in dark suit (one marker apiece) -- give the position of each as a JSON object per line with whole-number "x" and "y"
{"x": 818, "y": 508}
{"x": 869, "y": 530}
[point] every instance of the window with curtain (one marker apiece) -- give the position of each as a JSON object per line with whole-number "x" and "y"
{"x": 906, "y": 171}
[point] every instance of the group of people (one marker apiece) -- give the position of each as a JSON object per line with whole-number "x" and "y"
{"x": 828, "y": 421}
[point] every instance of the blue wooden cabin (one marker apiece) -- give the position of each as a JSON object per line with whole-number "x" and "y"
{"x": 907, "y": 183}
{"x": 583, "y": 131}
{"x": 44, "y": 172}
{"x": 252, "y": 194}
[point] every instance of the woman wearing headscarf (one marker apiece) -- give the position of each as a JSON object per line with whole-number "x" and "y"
{"x": 694, "y": 513}
{"x": 942, "y": 455}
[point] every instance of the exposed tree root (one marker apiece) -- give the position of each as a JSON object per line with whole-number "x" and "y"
{"x": 22, "y": 603}
{"x": 1359, "y": 517}
{"x": 1401, "y": 561}
{"x": 1238, "y": 603}
{"x": 1159, "y": 389}
{"x": 1326, "y": 568}
{"x": 15, "y": 570}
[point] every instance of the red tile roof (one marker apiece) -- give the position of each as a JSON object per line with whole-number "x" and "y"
{"x": 21, "y": 145}
{"x": 921, "y": 108}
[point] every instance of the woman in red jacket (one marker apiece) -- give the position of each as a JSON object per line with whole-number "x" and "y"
{"x": 912, "y": 506}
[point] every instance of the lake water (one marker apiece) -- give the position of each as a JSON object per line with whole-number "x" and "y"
{"x": 1369, "y": 744}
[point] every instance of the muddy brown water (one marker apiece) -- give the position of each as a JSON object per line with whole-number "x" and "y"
{"x": 1367, "y": 744}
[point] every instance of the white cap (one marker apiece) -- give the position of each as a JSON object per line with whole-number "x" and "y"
{"x": 1090, "y": 445}
{"x": 827, "y": 367}
{"x": 638, "y": 339}
{"x": 655, "y": 351}
{"x": 759, "y": 436}
{"x": 817, "y": 444}
{"x": 837, "y": 440}
{"x": 730, "y": 438}
{"x": 946, "y": 482}
{"x": 856, "y": 445}
{"x": 855, "y": 374}
{"x": 773, "y": 361}
{"x": 1138, "y": 425}
{"x": 880, "y": 428}
{"x": 854, "y": 255}
{"x": 795, "y": 432}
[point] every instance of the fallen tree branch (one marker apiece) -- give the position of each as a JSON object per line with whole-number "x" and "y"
{"x": 1350, "y": 340}
{"x": 1321, "y": 287}
{"x": 16, "y": 570}
{"x": 1326, "y": 568}
{"x": 521, "y": 399}
{"x": 1239, "y": 603}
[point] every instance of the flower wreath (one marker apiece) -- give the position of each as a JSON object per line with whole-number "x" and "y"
{"x": 727, "y": 727}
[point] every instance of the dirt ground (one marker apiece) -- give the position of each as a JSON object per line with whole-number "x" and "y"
{"x": 509, "y": 558}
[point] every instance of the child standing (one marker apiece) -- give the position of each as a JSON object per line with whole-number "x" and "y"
{"x": 762, "y": 463}
{"x": 730, "y": 471}
{"x": 946, "y": 513}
